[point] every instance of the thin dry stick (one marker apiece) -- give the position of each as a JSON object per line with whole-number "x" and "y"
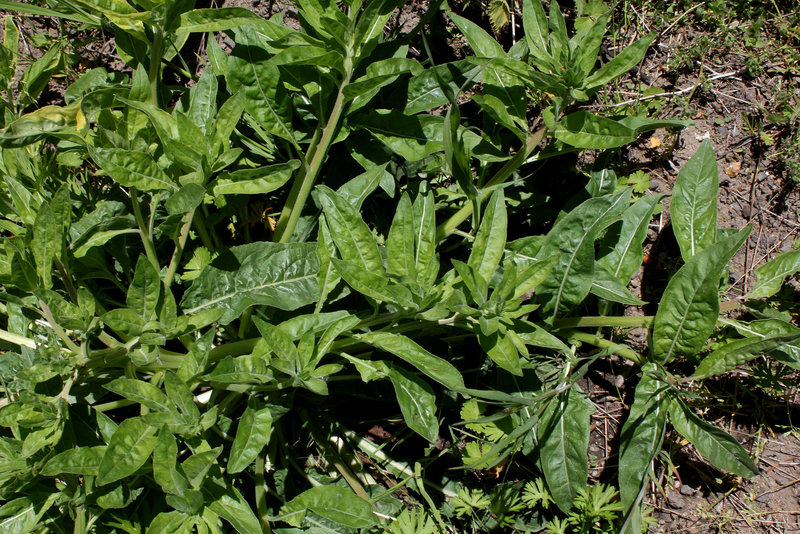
{"x": 670, "y": 94}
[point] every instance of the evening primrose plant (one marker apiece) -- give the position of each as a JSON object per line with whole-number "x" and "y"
{"x": 202, "y": 325}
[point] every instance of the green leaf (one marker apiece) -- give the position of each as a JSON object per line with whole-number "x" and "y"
{"x": 501, "y": 350}
{"x": 254, "y": 181}
{"x": 187, "y": 198}
{"x": 689, "y": 306}
{"x": 490, "y": 241}
{"x": 140, "y": 392}
{"x": 581, "y": 129}
{"x": 181, "y": 396}
{"x": 99, "y": 239}
{"x": 145, "y": 289}
{"x": 334, "y": 503}
{"x": 216, "y": 19}
{"x": 482, "y": 43}
{"x": 374, "y": 286}
{"x": 18, "y": 516}
{"x": 79, "y": 461}
{"x": 233, "y": 508}
{"x": 622, "y": 63}
{"x": 38, "y": 124}
{"x": 770, "y": 276}
{"x": 328, "y": 276}
{"x": 250, "y": 73}
{"x": 417, "y": 403}
{"x": 252, "y": 435}
{"x": 643, "y": 124}
{"x": 406, "y": 349}
{"x": 37, "y": 75}
{"x": 131, "y": 168}
{"x": 713, "y": 443}
{"x": 48, "y": 237}
{"x": 621, "y": 249}
{"x": 609, "y": 287}
{"x": 735, "y": 353}
{"x": 590, "y": 43}
{"x": 534, "y": 20}
{"x": 165, "y": 468}
{"x": 226, "y": 120}
{"x": 356, "y": 190}
{"x": 572, "y": 241}
{"x": 789, "y": 353}
{"x": 641, "y": 436}
{"x": 283, "y": 275}
{"x": 400, "y": 242}
{"x": 411, "y": 137}
{"x": 693, "y": 207}
{"x": 351, "y": 234}
{"x": 428, "y": 89}
{"x": 128, "y": 450}
{"x": 426, "y": 263}
{"x": 563, "y": 433}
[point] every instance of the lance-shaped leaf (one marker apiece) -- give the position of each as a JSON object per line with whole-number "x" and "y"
{"x": 283, "y": 275}
{"x": 770, "y": 276}
{"x": 128, "y": 450}
{"x": 733, "y": 354}
{"x": 609, "y": 287}
{"x": 145, "y": 289}
{"x": 563, "y": 433}
{"x": 622, "y": 63}
{"x": 334, "y": 503}
{"x": 584, "y": 130}
{"x": 621, "y": 248}
{"x": 426, "y": 263}
{"x": 165, "y": 467}
{"x": 251, "y": 73}
{"x": 374, "y": 286}
{"x": 231, "y": 506}
{"x": 481, "y": 42}
{"x": 252, "y": 435}
{"x": 216, "y": 20}
{"x": 48, "y": 237}
{"x": 328, "y": 277}
{"x": 417, "y": 403}
{"x": 788, "y": 353}
{"x": 400, "y": 242}
{"x": 140, "y": 392}
{"x": 79, "y": 461}
{"x": 131, "y": 168}
{"x": 534, "y": 20}
{"x": 572, "y": 241}
{"x": 689, "y": 307}
{"x": 436, "y": 368}
{"x": 500, "y": 348}
{"x": 490, "y": 241}
{"x": 713, "y": 443}
{"x": 351, "y": 234}
{"x": 693, "y": 208}
{"x": 642, "y": 435}
{"x": 256, "y": 181}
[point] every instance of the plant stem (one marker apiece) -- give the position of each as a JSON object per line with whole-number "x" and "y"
{"x": 16, "y": 339}
{"x": 176, "y": 255}
{"x": 155, "y": 65}
{"x": 261, "y": 495}
{"x": 149, "y": 247}
{"x": 304, "y": 181}
{"x": 619, "y": 350}
{"x": 450, "y": 225}
{"x": 593, "y": 322}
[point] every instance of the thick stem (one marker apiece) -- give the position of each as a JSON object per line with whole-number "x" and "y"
{"x": 592, "y": 322}
{"x": 450, "y": 225}
{"x": 176, "y": 255}
{"x": 261, "y": 495}
{"x": 154, "y": 72}
{"x": 304, "y": 182}
{"x": 149, "y": 247}
{"x": 617, "y": 349}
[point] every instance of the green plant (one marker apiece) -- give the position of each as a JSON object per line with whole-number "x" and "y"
{"x": 167, "y": 374}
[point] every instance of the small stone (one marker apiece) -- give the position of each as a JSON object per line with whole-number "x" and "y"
{"x": 676, "y": 500}
{"x": 687, "y": 490}
{"x": 723, "y": 131}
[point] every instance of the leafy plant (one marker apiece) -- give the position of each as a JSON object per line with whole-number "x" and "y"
{"x": 171, "y": 366}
